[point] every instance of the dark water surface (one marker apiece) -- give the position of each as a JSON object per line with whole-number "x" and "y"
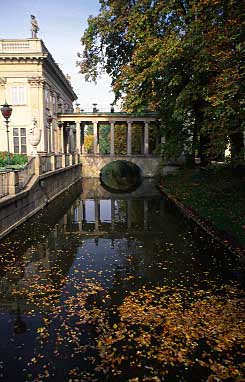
{"x": 66, "y": 273}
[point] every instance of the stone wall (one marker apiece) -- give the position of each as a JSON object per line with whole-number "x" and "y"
{"x": 14, "y": 210}
{"x": 92, "y": 165}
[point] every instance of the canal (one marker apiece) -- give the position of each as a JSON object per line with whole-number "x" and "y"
{"x": 117, "y": 287}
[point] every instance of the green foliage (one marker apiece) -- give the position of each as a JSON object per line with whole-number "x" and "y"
{"x": 180, "y": 58}
{"x": 217, "y": 194}
{"x": 104, "y": 136}
{"x": 15, "y": 159}
{"x": 120, "y": 136}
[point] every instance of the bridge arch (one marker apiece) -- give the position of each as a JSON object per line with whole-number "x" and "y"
{"x": 121, "y": 175}
{"x": 93, "y": 164}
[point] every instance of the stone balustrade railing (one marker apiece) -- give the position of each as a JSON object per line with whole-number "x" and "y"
{"x": 4, "y": 184}
{"x": 12, "y": 182}
{"x": 26, "y": 173}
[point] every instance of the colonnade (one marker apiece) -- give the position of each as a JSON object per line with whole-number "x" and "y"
{"x": 129, "y": 137}
{"x": 78, "y": 144}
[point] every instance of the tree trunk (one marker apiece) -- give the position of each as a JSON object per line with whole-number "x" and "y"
{"x": 237, "y": 146}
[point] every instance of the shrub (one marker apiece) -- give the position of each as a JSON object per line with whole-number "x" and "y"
{"x": 15, "y": 159}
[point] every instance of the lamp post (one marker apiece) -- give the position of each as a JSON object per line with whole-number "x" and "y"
{"x": 49, "y": 120}
{"x": 6, "y": 111}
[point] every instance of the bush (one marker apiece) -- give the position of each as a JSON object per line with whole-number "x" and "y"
{"x": 15, "y": 159}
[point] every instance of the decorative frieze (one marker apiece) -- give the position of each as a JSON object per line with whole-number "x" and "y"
{"x": 36, "y": 82}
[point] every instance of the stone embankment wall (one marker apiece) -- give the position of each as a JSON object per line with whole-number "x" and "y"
{"x": 40, "y": 190}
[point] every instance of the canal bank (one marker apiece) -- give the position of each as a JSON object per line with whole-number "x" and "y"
{"x": 49, "y": 178}
{"x": 213, "y": 199}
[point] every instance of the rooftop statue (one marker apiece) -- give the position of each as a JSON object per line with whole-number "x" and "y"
{"x": 34, "y": 27}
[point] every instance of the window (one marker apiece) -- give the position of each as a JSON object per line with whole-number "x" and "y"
{"x": 18, "y": 95}
{"x": 19, "y": 137}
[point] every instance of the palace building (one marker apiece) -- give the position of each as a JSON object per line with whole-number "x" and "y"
{"x": 37, "y": 90}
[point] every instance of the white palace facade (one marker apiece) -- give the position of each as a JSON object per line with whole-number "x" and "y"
{"x": 35, "y": 87}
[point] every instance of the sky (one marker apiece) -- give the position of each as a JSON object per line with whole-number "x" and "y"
{"x": 61, "y": 23}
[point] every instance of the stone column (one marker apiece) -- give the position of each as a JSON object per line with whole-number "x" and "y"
{"x": 83, "y": 133}
{"x": 62, "y": 138}
{"x": 146, "y": 138}
{"x": 70, "y": 140}
{"x": 78, "y": 138}
{"x": 129, "y": 139}
{"x": 49, "y": 140}
{"x": 112, "y": 148}
{"x": 95, "y": 124}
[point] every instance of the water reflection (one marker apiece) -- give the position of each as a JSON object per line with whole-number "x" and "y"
{"x": 117, "y": 243}
{"x": 108, "y": 215}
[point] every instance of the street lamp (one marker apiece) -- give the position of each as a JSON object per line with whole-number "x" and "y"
{"x": 6, "y": 111}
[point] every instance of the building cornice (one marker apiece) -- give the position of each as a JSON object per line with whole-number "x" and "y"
{"x": 22, "y": 58}
{"x": 30, "y": 51}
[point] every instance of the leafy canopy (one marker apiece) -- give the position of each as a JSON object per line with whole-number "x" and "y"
{"x": 182, "y": 58}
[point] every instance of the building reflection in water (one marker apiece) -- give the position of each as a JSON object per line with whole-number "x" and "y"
{"x": 102, "y": 216}
{"x": 99, "y": 232}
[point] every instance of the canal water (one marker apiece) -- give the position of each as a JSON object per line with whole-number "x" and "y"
{"x": 117, "y": 287}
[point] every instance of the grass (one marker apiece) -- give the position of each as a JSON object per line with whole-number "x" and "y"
{"x": 216, "y": 193}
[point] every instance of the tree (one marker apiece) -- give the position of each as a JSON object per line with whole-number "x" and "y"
{"x": 104, "y": 139}
{"x": 181, "y": 58}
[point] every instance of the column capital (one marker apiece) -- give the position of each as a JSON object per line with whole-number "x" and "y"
{"x": 3, "y": 81}
{"x": 36, "y": 82}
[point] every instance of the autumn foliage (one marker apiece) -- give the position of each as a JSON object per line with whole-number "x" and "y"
{"x": 180, "y": 58}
